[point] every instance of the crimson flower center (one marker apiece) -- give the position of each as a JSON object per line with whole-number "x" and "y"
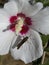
{"x": 20, "y": 23}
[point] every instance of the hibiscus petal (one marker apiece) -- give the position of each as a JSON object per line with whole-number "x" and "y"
{"x": 5, "y": 37}
{"x": 5, "y": 42}
{"x": 11, "y": 8}
{"x": 4, "y": 19}
{"x": 41, "y": 21}
{"x": 20, "y": 4}
{"x": 31, "y": 10}
{"x": 19, "y": 0}
{"x": 31, "y": 50}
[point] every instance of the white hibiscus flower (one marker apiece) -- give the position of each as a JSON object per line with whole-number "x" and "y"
{"x": 39, "y": 18}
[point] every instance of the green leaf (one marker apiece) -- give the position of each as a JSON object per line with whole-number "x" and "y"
{"x": 0, "y": 58}
{"x": 47, "y": 49}
{"x": 44, "y": 38}
{"x": 45, "y": 2}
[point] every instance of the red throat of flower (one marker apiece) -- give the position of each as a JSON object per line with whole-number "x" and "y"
{"x": 27, "y": 23}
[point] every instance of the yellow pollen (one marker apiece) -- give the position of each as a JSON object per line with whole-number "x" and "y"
{"x": 19, "y": 25}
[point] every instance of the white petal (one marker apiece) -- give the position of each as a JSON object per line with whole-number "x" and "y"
{"x": 4, "y": 19}
{"x": 11, "y": 8}
{"x": 5, "y": 42}
{"x": 20, "y": 4}
{"x": 41, "y": 21}
{"x": 5, "y": 37}
{"x": 31, "y": 10}
{"x": 30, "y": 50}
{"x": 20, "y": 0}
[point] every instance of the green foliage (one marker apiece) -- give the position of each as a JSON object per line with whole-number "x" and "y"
{"x": 38, "y": 62}
{"x": 45, "y": 2}
{"x": 47, "y": 49}
{"x": 47, "y": 63}
{"x": 0, "y": 58}
{"x": 44, "y": 38}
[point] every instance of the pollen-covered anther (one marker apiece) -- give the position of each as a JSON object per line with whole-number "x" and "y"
{"x": 18, "y": 26}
